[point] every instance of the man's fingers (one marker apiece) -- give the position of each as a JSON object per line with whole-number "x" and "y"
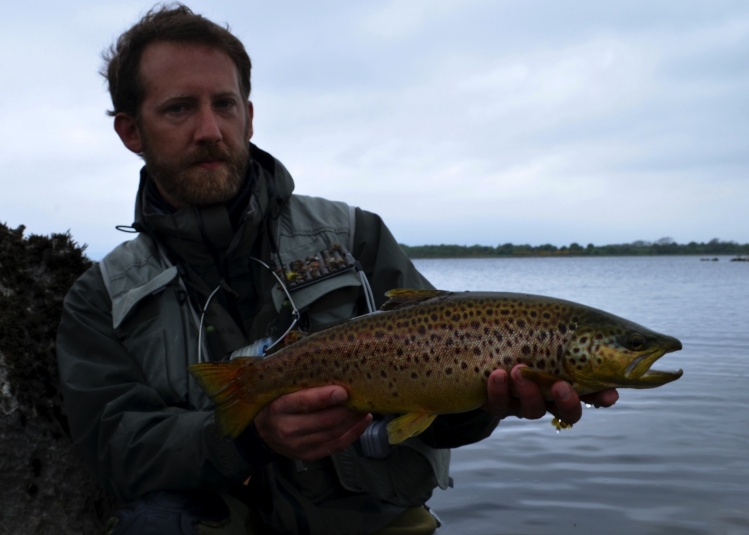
{"x": 567, "y": 403}
{"x": 604, "y": 398}
{"x": 324, "y": 441}
{"x": 351, "y": 432}
{"x": 311, "y": 423}
{"x": 532, "y": 403}
{"x": 500, "y": 400}
{"x": 513, "y": 395}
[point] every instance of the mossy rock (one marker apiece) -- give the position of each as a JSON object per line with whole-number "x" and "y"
{"x": 44, "y": 487}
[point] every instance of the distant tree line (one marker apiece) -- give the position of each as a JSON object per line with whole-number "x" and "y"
{"x": 663, "y": 246}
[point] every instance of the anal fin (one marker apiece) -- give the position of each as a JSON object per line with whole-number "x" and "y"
{"x": 409, "y": 425}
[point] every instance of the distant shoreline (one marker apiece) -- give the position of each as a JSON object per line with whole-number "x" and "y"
{"x": 661, "y": 247}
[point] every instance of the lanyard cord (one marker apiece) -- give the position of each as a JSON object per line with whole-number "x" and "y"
{"x": 294, "y": 311}
{"x": 202, "y": 320}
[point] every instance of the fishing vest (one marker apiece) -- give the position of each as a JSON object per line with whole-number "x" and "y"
{"x": 156, "y": 323}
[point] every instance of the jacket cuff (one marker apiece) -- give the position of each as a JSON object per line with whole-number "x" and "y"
{"x": 253, "y": 449}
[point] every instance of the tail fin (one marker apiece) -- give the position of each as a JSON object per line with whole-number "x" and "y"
{"x": 233, "y": 388}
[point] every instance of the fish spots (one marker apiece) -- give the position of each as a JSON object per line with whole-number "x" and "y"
{"x": 448, "y": 371}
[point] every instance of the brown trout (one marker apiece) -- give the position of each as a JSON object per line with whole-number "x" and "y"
{"x": 430, "y": 352}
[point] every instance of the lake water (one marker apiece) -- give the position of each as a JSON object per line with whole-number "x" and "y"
{"x": 674, "y": 459}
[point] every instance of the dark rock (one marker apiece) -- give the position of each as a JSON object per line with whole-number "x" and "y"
{"x": 44, "y": 487}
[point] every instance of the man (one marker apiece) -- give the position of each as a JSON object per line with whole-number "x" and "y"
{"x": 217, "y": 218}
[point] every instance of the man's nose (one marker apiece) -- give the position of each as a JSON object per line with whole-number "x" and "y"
{"x": 208, "y": 129}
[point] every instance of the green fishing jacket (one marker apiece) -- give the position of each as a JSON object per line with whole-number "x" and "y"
{"x": 134, "y": 322}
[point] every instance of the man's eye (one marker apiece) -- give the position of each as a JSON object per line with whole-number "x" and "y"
{"x": 225, "y": 103}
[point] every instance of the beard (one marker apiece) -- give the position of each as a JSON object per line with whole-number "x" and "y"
{"x": 182, "y": 181}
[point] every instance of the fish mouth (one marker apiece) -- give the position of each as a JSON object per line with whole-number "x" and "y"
{"x": 639, "y": 375}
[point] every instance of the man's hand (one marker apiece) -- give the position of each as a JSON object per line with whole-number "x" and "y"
{"x": 310, "y": 424}
{"x": 516, "y": 396}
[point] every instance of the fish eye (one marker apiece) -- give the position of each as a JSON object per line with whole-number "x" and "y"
{"x": 635, "y": 341}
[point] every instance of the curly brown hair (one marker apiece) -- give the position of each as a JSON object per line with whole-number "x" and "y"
{"x": 175, "y": 23}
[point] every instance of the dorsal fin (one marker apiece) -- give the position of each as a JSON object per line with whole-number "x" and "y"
{"x": 405, "y": 297}
{"x": 291, "y": 337}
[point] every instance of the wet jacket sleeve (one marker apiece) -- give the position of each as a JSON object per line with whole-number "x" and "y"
{"x": 387, "y": 266}
{"x": 132, "y": 440}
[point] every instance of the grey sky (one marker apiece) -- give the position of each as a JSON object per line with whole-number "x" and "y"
{"x": 459, "y": 121}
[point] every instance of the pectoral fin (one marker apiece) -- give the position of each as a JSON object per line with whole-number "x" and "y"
{"x": 542, "y": 379}
{"x": 409, "y": 425}
{"x": 404, "y": 297}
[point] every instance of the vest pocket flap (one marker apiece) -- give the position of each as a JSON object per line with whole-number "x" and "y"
{"x": 305, "y": 296}
{"x": 405, "y": 478}
{"x": 124, "y": 303}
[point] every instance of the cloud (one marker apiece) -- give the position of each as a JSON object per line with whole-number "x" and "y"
{"x": 461, "y": 121}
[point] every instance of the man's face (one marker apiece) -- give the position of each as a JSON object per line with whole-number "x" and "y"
{"x": 194, "y": 125}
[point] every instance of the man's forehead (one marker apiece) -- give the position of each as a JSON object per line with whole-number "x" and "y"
{"x": 175, "y": 52}
{"x": 170, "y": 63}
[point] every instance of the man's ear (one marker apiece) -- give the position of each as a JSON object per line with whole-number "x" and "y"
{"x": 127, "y": 128}
{"x": 250, "y": 115}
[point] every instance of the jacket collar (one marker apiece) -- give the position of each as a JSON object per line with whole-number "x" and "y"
{"x": 208, "y": 238}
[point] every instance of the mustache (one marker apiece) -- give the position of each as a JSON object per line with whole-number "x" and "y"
{"x": 204, "y": 154}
